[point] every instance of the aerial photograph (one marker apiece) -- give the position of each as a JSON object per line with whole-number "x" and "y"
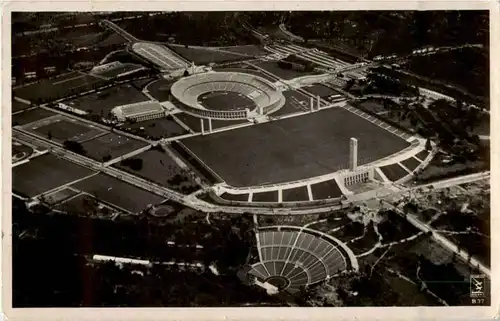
{"x": 250, "y": 158}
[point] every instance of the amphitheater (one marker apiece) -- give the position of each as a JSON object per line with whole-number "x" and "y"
{"x": 292, "y": 257}
{"x": 265, "y": 95}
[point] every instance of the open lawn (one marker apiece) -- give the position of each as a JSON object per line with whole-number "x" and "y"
{"x": 18, "y": 106}
{"x": 45, "y": 173}
{"x": 411, "y": 163}
{"x": 117, "y": 192}
{"x": 271, "y": 196}
{"x": 58, "y": 87}
{"x": 326, "y": 190}
{"x": 320, "y": 90}
{"x": 160, "y": 168}
{"x": 101, "y": 103}
{"x": 235, "y": 197}
{"x": 295, "y": 194}
{"x": 422, "y": 155}
{"x": 30, "y": 116}
{"x": 287, "y": 74}
{"x": 111, "y": 144}
{"x": 394, "y": 172}
{"x": 200, "y": 55}
{"x": 61, "y": 128}
{"x": 293, "y": 148}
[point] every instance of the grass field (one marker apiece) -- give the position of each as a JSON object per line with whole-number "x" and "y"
{"x": 320, "y": 90}
{"x": 373, "y": 106}
{"x": 160, "y": 168}
{"x": 394, "y": 172}
{"x": 61, "y": 128}
{"x": 295, "y": 194}
{"x": 411, "y": 163}
{"x": 295, "y": 102}
{"x": 18, "y": 106}
{"x": 204, "y": 56}
{"x": 225, "y": 100}
{"x": 111, "y": 144}
{"x": 117, "y": 192}
{"x": 59, "y": 87}
{"x": 103, "y": 102}
{"x": 30, "y": 116}
{"x": 45, "y": 173}
{"x": 325, "y": 190}
{"x": 160, "y": 89}
{"x": 156, "y": 128}
{"x": 422, "y": 155}
{"x": 286, "y": 74}
{"x": 235, "y": 197}
{"x": 271, "y": 196}
{"x": 293, "y": 148}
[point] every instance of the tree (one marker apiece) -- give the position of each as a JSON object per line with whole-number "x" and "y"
{"x": 186, "y": 73}
{"x": 428, "y": 145}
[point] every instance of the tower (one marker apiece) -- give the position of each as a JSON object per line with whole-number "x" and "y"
{"x": 353, "y": 154}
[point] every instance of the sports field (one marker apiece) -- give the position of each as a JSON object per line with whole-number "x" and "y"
{"x": 156, "y": 128}
{"x": 58, "y": 87}
{"x": 101, "y": 103}
{"x": 45, "y": 173}
{"x": 60, "y": 128}
{"x": 30, "y": 116}
{"x": 225, "y": 100}
{"x": 114, "y": 191}
{"x": 111, "y": 144}
{"x": 160, "y": 89}
{"x": 200, "y": 55}
{"x": 293, "y": 148}
{"x": 160, "y": 168}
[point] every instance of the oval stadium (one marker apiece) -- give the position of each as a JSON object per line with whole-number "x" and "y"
{"x": 202, "y": 94}
{"x": 292, "y": 258}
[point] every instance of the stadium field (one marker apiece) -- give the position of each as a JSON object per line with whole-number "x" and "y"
{"x": 60, "y": 128}
{"x": 394, "y": 172}
{"x": 101, "y": 103}
{"x": 111, "y": 144}
{"x": 292, "y": 149}
{"x": 30, "y": 116}
{"x": 204, "y": 56}
{"x": 114, "y": 191}
{"x": 295, "y": 102}
{"x": 156, "y": 128}
{"x": 160, "y": 168}
{"x": 225, "y": 100}
{"x": 287, "y": 74}
{"x": 295, "y": 194}
{"x": 45, "y": 173}
{"x": 59, "y": 87}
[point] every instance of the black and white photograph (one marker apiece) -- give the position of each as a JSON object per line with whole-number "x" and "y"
{"x": 229, "y": 159}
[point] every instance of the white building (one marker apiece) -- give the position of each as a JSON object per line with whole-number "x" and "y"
{"x": 139, "y": 111}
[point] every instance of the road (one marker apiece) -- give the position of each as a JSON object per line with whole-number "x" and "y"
{"x": 110, "y": 25}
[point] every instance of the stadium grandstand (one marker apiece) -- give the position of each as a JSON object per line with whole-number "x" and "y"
{"x": 264, "y": 94}
{"x": 141, "y": 111}
{"x": 292, "y": 257}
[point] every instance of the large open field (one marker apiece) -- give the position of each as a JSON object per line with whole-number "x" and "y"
{"x": 320, "y": 90}
{"x": 18, "y": 106}
{"x": 160, "y": 168}
{"x": 287, "y": 74}
{"x": 156, "y": 128}
{"x": 30, "y": 116}
{"x": 225, "y": 100}
{"x": 45, "y": 173}
{"x": 293, "y": 148}
{"x": 111, "y": 144}
{"x": 200, "y": 55}
{"x": 116, "y": 192}
{"x": 60, "y": 129}
{"x": 103, "y": 102}
{"x": 59, "y": 87}
{"x": 160, "y": 89}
